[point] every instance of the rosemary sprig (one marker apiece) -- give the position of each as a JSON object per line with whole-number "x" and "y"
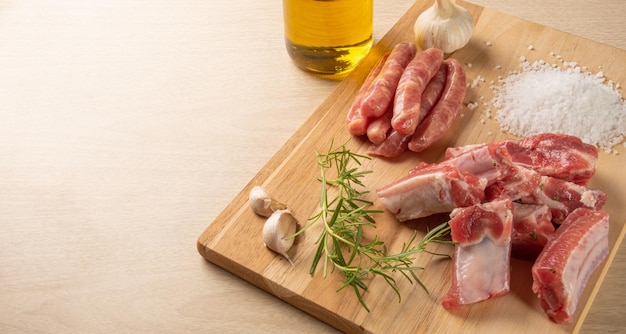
{"x": 341, "y": 244}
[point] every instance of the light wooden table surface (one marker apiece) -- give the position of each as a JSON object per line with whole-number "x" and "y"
{"x": 126, "y": 127}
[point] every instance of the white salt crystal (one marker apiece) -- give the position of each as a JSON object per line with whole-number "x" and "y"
{"x": 543, "y": 98}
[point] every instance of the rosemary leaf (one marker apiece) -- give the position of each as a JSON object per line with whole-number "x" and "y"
{"x": 344, "y": 216}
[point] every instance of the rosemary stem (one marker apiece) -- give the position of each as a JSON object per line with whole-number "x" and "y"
{"x": 342, "y": 245}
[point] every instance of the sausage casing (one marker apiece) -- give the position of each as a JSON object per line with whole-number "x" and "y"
{"x": 382, "y": 91}
{"x": 408, "y": 98}
{"x": 440, "y": 118}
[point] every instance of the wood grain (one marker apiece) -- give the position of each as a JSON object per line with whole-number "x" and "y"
{"x": 127, "y": 126}
{"x": 496, "y": 47}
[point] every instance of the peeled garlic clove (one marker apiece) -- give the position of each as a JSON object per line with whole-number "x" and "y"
{"x": 278, "y": 232}
{"x": 262, "y": 203}
{"x": 445, "y": 25}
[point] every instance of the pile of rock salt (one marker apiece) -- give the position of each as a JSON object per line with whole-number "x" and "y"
{"x": 547, "y": 98}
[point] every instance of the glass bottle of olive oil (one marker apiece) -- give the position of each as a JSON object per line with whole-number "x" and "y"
{"x": 328, "y": 37}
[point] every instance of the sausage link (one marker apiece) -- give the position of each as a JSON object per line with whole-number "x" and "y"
{"x": 438, "y": 121}
{"x": 416, "y": 76}
{"x": 378, "y": 129}
{"x": 394, "y": 145}
{"x": 390, "y": 144}
{"x": 432, "y": 92}
{"x": 357, "y": 123}
{"x": 380, "y": 95}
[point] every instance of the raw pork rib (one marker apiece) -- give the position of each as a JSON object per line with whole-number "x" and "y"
{"x": 563, "y": 197}
{"x": 532, "y": 227}
{"x": 481, "y": 161}
{"x": 496, "y": 165}
{"x": 430, "y": 189}
{"x": 515, "y": 181}
{"x": 482, "y": 255}
{"x": 561, "y": 156}
{"x": 563, "y": 268}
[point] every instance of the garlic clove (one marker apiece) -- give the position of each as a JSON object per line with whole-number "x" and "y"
{"x": 278, "y": 232}
{"x": 445, "y": 25}
{"x": 262, "y": 203}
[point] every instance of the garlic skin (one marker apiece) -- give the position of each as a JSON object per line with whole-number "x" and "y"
{"x": 280, "y": 225}
{"x": 445, "y": 25}
{"x": 262, "y": 203}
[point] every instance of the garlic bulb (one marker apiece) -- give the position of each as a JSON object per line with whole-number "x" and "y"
{"x": 445, "y": 25}
{"x": 278, "y": 232}
{"x": 262, "y": 203}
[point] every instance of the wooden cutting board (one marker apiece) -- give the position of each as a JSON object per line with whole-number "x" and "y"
{"x": 233, "y": 241}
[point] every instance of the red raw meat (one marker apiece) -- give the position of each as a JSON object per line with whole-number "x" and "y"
{"x": 496, "y": 165}
{"x": 561, "y": 156}
{"x": 563, "y": 197}
{"x": 482, "y": 256}
{"x": 430, "y": 189}
{"x": 515, "y": 181}
{"x": 481, "y": 161}
{"x": 562, "y": 270}
{"x": 532, "y": 227}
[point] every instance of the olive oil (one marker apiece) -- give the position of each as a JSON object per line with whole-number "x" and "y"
{"x": 328, "y": 37}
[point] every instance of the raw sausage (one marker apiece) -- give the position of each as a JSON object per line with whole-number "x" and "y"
{"x": 443, "y": 113}
{"x": 432, "y": 92}
{"x": 391, "y": 145}
{"x": 382, "y": 91}
{"x": 416, "y": 76}
{"x": 378, "y": 129}
{"x": 394, "y": 145}
{"x": 357, "y": 123}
